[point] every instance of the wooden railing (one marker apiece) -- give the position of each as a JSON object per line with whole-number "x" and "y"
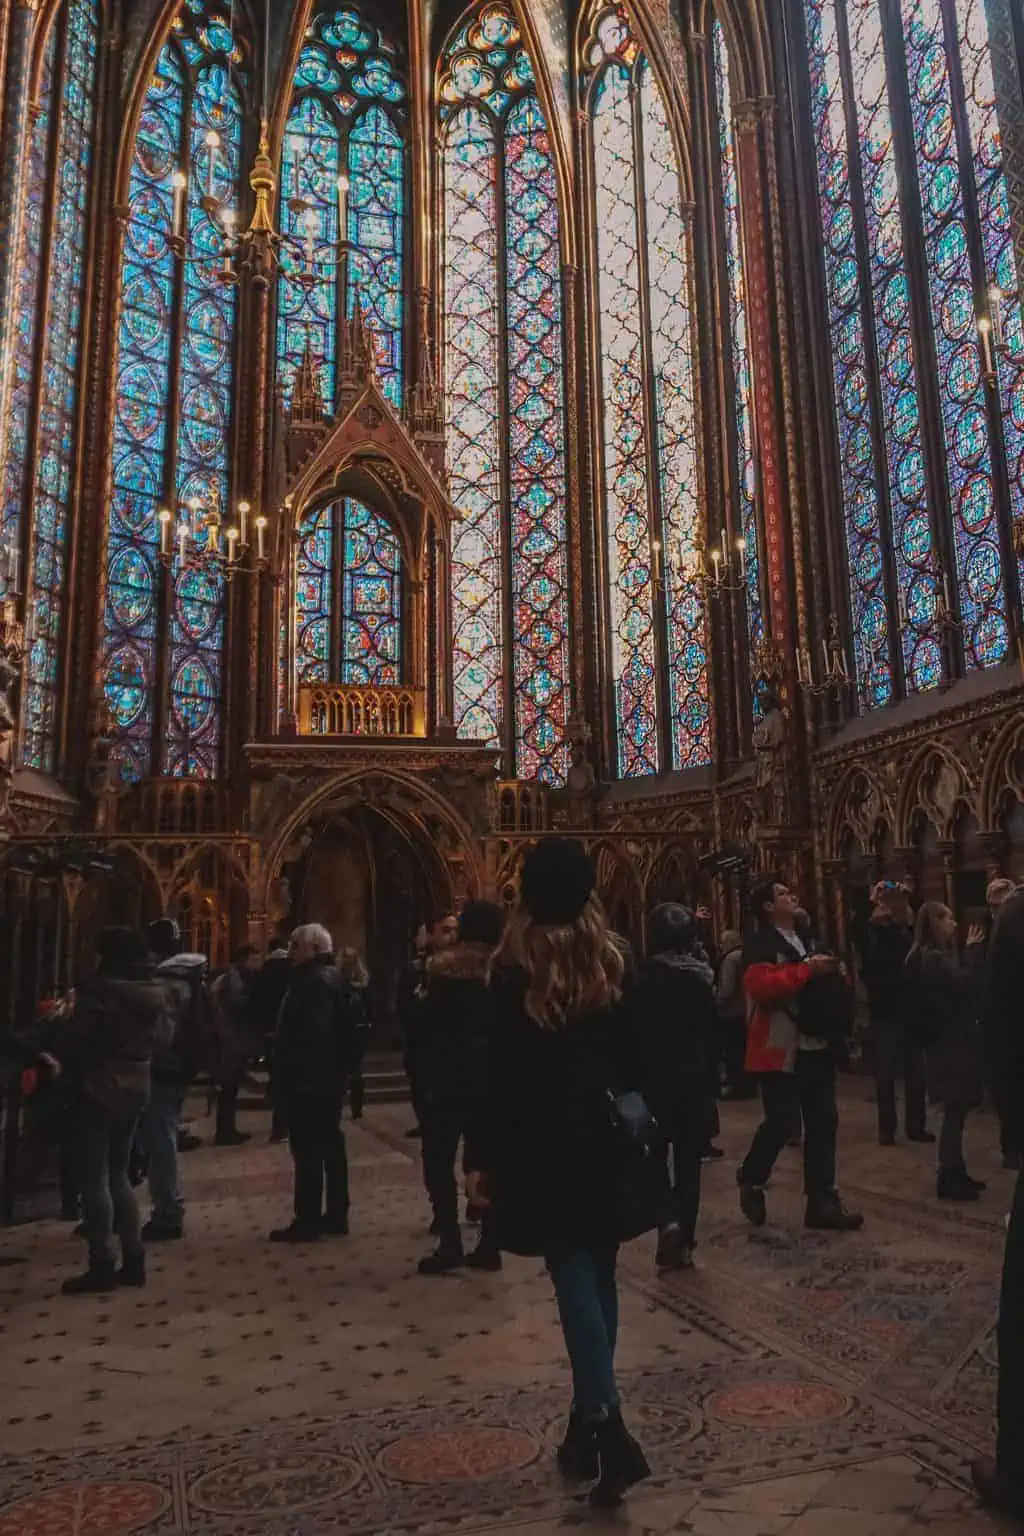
{"x": 351, "y": 709}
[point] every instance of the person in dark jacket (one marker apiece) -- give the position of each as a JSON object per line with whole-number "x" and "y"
{"x": 997, "y": 892}
{"x": 184, "y": 980}
{"x": 452, "y": 1050}
{"x": 946, "y": 1002}
{"x": 105, "y": 1048}
{"x": 437, "y": 933}
{"x": 237, "y": 1043}
{"x": 314, "y": 1051}
{"x": 352, "y": 969}
{"x": 731, "y": 1001}
{"x": 795, "y": 1027}
{"x": 673, "y": 1007}
{"x": 267, "y": 993}
{"x": 1000, "y": 1483}
{"x": 545, "y": 1153}
{"x": 897, "y": 1049}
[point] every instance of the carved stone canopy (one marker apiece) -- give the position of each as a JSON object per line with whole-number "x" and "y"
{"x": 369, "y": 450}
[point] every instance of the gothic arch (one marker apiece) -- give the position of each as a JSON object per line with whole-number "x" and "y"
{"x": 934, "y": 786}
{"x": 745, "y": 23}
{"x": 420, "y": 798}
{"x": 1003, "y": 774}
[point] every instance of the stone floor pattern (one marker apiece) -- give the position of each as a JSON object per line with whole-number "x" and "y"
{"x": 796, "y": 1384}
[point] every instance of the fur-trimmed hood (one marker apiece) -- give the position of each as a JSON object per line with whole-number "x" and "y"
{"x": 462, "y": 962}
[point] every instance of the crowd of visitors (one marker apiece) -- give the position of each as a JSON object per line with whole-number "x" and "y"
{"x": 580, "y": 1081}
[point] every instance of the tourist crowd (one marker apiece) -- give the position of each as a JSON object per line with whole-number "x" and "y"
{"x": 580, "y": 1081}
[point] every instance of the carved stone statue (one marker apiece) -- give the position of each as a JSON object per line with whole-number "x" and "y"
{"x": 12, "y": 654}
{"x": 771, "y": 760}
{"x": 581, "y": 780}
{"x": 101, "y": 767}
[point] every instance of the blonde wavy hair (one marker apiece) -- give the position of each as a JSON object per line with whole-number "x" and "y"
{"x": 570, "y": 970}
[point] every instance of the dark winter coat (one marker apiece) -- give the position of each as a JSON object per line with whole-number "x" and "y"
{"x": 885, "y": 947}
{"x": 673, "y": 1006}
{"x": 451, "y": 1031}
{"x": 554, "y": 1176}
{"x": 315, "y": 1047}
{"x": 267, "y": 992}
{"x": 237, "y": 1041}
{"x": 107, "y": 1045}
{"x": 944, "y": 1008}
{"x": 1003, "y": 1012}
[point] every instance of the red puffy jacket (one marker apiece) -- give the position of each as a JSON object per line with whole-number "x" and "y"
{"x": 772, "y": 1031}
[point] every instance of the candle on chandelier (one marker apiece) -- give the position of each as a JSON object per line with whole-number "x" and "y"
{"x": 243, "y": 515}
{"x": 182, "y": 542}
{"x": 741, "y": 549}
{"x": 164, "y": 519}
{"x": 212, "y": 144}
{"x": 194, "y": 507}
{"x": 343, "y": 207}
{"x": 179, "y": 181}
{"x": 825, "y": 655}
{"x": 261, "y": 524}
{"x": 984, "y": 331}
{"x": 232, "y": 545}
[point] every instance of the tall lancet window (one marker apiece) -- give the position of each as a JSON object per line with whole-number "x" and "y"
{"x": 649, "y": 455}
{"x": 928, "y": 354}
{"x": 343, "y": 158}
{"x": 163, "y": 665}
{"x": 743, "y": 457}
{"x": 348, "y": 597}
{"x": 505, "y": 401}
{"x": 42, "y": 428}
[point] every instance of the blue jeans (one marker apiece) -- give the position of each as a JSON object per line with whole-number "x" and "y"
{"x": 108, "y": 1200}
{"x": 159, "y": 1135}
{"x": 588, "y": 1309}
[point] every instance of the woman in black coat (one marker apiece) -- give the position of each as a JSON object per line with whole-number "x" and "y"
{"x": 673, "y": 1005}
{"x": 545, "y": 1153}
{"x": 944, "y": 1008}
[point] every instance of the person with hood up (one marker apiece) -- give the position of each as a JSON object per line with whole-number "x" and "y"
{"x": 562, "y": 1150}
{"x": 105, "y": 1048}
{"x": 184, "y": 980}
{"x": 673, "y": 1006}
{"x": 453, "y": 1024}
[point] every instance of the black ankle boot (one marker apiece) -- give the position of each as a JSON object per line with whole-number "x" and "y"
{"x": 97, "y": 1278}
{"x": 133, "y": 1271}
{"x": 954, "y": 1184}
{"x": 448, "y": 1256}
{"x": 577, "y": 1455}
{"x": 622, "y": 1462}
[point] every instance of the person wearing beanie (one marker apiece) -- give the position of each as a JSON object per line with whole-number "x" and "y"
{"x": 674, "y": 1007}
{"x": 453, "y": 1024}
{"x": 105, "y": 1048}
{"x": 555, "y": 1154}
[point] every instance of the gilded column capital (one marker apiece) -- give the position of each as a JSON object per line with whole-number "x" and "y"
{"x": 697, "y": 42}
{"x": 749, "y": 115}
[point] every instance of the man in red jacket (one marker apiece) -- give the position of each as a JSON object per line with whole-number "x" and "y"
{"x": 791, "y": 1034}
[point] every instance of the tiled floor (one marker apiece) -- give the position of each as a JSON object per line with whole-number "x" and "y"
{"x": 796, "y": 1384}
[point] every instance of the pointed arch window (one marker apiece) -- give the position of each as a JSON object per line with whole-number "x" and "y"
{"x": 743, "y": 453}
{"x": 918, "y": 263}
{"x": 163, "y": 667}
{"x": 348, "y": 601}
{"x": 43, "y": 403}
{"x": 648, "y": 386}
{"x": 347, "y": 120}
{"x": 504, "y": 352}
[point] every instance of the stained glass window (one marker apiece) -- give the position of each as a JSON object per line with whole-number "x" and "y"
{"x": 43, "y": 403}
{"x": 504, "y": 394}
{"x": 876, "y": 190}
{"x": 347, "y": 119}
{"x": 175, "y": 458}
{"x": 739, "y": 345}
{"x": 650, "y": 455}
{"x": 348, "y": 606}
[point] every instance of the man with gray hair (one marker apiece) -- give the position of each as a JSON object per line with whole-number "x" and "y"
{"x": 314, "y": 1053}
